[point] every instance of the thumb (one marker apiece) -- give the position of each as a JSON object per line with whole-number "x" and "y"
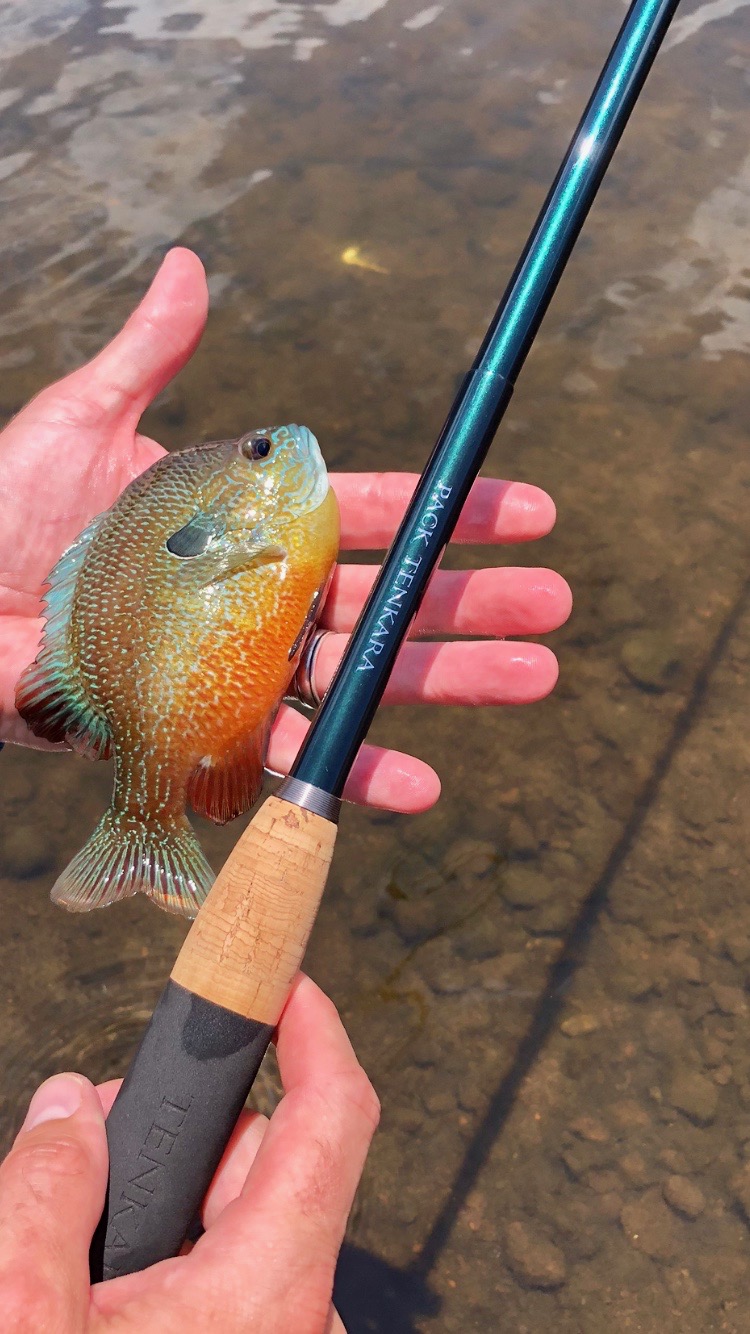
{"x": 52, "y": 1187}
{"x": 152, "y": 346}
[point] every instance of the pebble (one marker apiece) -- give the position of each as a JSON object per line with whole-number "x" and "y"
{"x": 578, "y": 1025}
{"x": 665, "y": 1032}
{"x": 650, "y": 1226}
{"x": 740, "y": 1186}
{"x": 495, "y": 973}
{"x": 729, "y": 1000}
{"x": 580, "y": 1158}
{"x": 522, "y": 841}
{"x": 694, "y": 1095}
{"x": 737, "y": 948}
{"x": 470, "y": 856}
{"x": 674, "y": 1160}
{"x": 588, "y": 1128}
{"x": 684, "y": 1197}
{"x": 715, "y": 1052}
{"x": 532, "y": 1259}
{"x": 525, "y": 886}
{"x": 26, "y": 853}
{"x": 650, "y": 659}
{"x": 636, "y": 1170}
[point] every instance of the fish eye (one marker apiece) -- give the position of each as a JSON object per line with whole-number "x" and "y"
{"x": 259, "y": 447}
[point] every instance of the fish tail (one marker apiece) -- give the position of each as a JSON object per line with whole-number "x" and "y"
{"x": 125, "y": 856}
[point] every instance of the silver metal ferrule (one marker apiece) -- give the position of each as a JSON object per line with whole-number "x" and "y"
{"x": 310, "y": 798}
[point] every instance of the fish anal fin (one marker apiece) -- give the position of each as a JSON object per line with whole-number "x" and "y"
{"x": 50, "y": 696}
{"x": 222, "y": 787}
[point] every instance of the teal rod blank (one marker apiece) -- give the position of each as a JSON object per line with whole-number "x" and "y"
{"x": 348, "y": 708}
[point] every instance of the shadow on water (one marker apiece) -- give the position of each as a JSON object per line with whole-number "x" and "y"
{"x": 374, "y": 1297}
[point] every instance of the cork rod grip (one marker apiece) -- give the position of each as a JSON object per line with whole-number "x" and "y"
{"x": 191, "y": 1075}
{"x": 247, "y": 942}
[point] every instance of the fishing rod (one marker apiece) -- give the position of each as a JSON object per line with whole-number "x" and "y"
{"x": 211, "y": 1027}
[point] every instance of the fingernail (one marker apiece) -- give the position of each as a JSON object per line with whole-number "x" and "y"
{"x": 56, "y": 1099}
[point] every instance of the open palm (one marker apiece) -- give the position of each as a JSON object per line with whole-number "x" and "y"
{"x": 67, "y": 456}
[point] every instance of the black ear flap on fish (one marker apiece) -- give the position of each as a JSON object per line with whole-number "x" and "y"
{"x": 222, "y": 788}
{"x": 50, "y": 695}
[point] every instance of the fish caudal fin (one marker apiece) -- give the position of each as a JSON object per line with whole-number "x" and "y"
{"x": 124, "y": 857}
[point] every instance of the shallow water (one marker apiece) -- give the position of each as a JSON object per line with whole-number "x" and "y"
{"x": 546, "y": 976}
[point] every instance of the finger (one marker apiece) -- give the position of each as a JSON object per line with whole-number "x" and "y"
{"x": 476, "y": 673}
{"x": 373, "y": 503}
{"x": 491, "y": 603}
{"x": 107, "y": 1093}
{"x": 385, "y": 779}
{"x": 149, "y": 350}
{"x": 52, "y": 1188}
{"x": 236, "y": 1161}
{"x": 299, "y": 1191}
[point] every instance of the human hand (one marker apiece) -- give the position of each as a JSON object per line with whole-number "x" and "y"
{"x": 274, "y": 1215}
{"x": 69, "y": 453}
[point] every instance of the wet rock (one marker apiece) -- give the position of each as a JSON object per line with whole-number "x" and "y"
{"x": 552, "y": 919}
{"x": 580, "y": 1158}
{"x": 740, "y": 1187}
{"x": 470, "y": 856}
{"x": 495, "y": 974}
{"x": 630, "y": 1115}
{"x": 684, "y": 1196}
{"x": 605, "y": 1182}
{"x": 665, "y": 1032}
{"x": 440, "y": 969}
{"x": 737, "y": 948}
{"x": 619, "y": 605}
{"x": 650, "y": 659}
{"x": 715, "y": 1052}
{"x": 522, "y": 841}
{"x": 26, "y": 852}
{"x": 532, "y": 1259}
{"x": 479, "y": 939}
{"x": 407, "y": 1119}
{"x": 729, "y": 1000}
{"x": 636, "y": 1170}
{"x": 650, "y": 1226}
{"x": 589, "y": 1128}
{"x": 525, "y": 886}
{"x": 674, "y": 1160}
{"x": 576, "y": 1229}
{"x": 694, "y": 1095}
{"x": 683, "y": 966}
{"x": 440, "y": 1102}
{"x": 578, "y": 1025}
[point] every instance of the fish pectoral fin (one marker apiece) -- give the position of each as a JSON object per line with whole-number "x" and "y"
{"x": 239, "y": 560}
{"x": 223, "y": 787}
{"x": 51, "y": 696}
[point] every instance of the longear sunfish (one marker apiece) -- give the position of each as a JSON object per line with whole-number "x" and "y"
{"x": 174, "y": 625}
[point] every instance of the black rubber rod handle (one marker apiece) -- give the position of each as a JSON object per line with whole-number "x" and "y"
{"x": 191, "y": 1075}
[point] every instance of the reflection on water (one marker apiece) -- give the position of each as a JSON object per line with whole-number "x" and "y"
{"x": 547, "y": 976}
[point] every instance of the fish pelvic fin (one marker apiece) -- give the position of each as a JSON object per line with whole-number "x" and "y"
{"x": 51, "y": 696}
{"x": 223, "y": 787}
{"x": 125, "y": 856}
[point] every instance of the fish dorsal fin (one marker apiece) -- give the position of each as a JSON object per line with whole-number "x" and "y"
{"x": 50, "y": 695}
{"x": 224, "y": 786}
